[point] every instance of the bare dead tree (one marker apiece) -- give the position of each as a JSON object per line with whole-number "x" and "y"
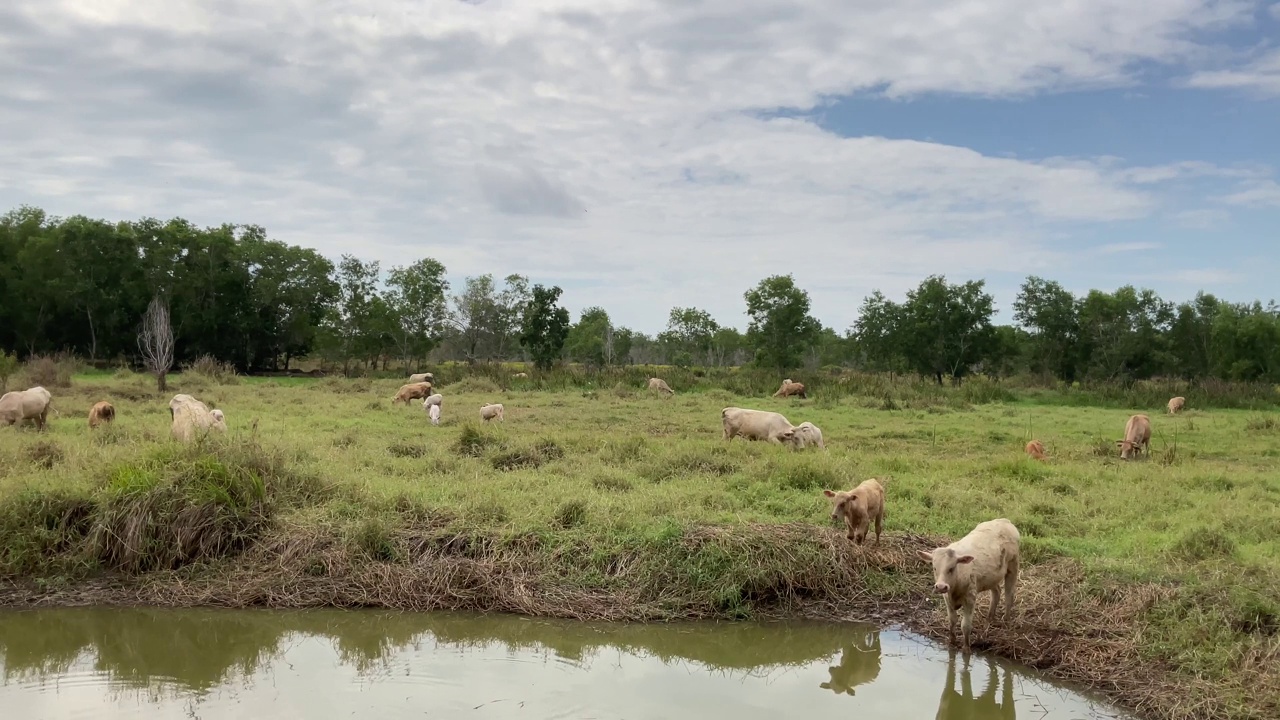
{"x": 155, "y": 340}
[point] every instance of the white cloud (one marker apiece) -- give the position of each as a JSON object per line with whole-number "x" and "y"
{"x": 1201, "y": 219}
{"x": 1262, "y": 76}
{"x": 609, "y": 146}
{"x": 1265, "y": 193}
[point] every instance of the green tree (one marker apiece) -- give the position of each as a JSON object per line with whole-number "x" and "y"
{"x": 947, "y": 328}
{"x": 1125, "y": 334}
{"x": 347, "y": 325}
{"x": 781, "y": 329}
{"x": 1050, "y": 313}
{"x": 689, "y": 336}
{"x": 545, "y": 326}
{"x": 879, "y": 334}
{"x": 416, "y": 299}
{"x": 592, "y": 339}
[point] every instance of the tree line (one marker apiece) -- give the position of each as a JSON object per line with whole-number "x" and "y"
{"x": 83, "y": 285}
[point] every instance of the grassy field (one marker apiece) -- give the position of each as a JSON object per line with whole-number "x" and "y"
{"x": 1155, "y": 581}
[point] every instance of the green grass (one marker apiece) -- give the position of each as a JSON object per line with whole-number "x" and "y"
{"x": 624, "y": 476}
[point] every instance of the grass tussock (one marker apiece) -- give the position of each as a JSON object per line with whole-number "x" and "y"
{"x": 49, "y": 371}
{"x": 46, "y": 453}
{"x": 212, "y": 370}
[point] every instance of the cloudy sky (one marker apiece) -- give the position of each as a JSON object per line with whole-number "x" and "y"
{"x": 649, "y": 153}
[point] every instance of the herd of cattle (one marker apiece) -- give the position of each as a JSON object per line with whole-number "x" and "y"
{"x": 985, "y": 560}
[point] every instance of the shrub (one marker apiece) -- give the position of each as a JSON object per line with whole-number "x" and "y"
{"x": 213, "y": 369}
{"x": 8, "y": 365}
{"x": 50, "y": 370}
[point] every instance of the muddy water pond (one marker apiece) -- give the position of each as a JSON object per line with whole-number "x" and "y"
{"x": 180, "y": 663}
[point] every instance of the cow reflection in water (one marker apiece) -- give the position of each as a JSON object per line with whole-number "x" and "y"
{"x": 859, "y": 665}
{"x": 963, "y": 705}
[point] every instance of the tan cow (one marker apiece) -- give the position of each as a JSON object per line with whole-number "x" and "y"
{"x": 1035, "y": 449}
{"x": 859, "y": 507}
{"x": 101, "y": 412}
{"x": 192, "y": 419}
{"x": 981, "y": 561}
{"x": 791, "y": 388}
{"x": 492, "y": 412}
{"x": 21, "y": 405}
{"x": 1176, "y": 405}
{"x": 807, "y": 435}
{"x": 661, "y": 386}
{"x": 1137, "y": 437}
{"x": 756, "y": 425}
{"x": 411, "y": 391}
{"x": 421, "y": 377}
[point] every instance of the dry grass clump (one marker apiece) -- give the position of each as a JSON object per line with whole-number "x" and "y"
{"x": 50, "y": 371}
{"x": 213, "y": 370}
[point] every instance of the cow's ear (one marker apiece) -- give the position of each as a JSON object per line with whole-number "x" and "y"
{"x": 828, "y": 493}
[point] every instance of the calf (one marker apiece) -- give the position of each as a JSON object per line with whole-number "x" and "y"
{"x": 807, "y": 435}
{"x": 981, "y": 561}
{"x": 661, "y": 386}
{"x": 492, "y": 412}
{"x": 790, "y": 388}
{"x": 1137, "y": 437}
{"x": 101, "y": 412}
{"x": 859, "y": 507}
{"x": 1035, "y": 449}
{"x": 411, "y": 391}
{"x": 1176, "y": 405}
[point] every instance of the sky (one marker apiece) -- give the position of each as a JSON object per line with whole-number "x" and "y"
{"x": 645, "y": 154}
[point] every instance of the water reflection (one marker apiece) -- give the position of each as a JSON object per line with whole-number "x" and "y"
{"x": 962, "y": 704}
{"x": 209, "y": 663}
{"x": 859, "y": 664}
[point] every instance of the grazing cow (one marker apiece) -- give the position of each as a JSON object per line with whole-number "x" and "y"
{"x": 101, "y": 412}
{"x": 491, "y": 412}
{"x": 1035, "y": 449}
{"x": 661, "y": 386}
{"x": 756, "y": 425}
{"x": 1137, "y": 437}
{"x": 979, "y": 562}
{"x": 192, "y": 418}
{"x": 21, "y": 405}
{"x": 791, "y": 388}
{"x": 432, "y": 406}
{"x": 1176, "y": 405}
{"x": 807, "y": 435}
{"x": 859, "y": 507}
{"x": 416, "y": 378}
{"x": 411, "y": 391}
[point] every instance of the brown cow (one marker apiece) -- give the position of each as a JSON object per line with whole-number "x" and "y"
{"x": 790, "y": 388}
{"x": 1035, "y": 449}
{"x": 1137, "y": 437}
{"x": 412, "y": 391}
{"x": 101, "y": 412}
{"x": 859, "y": 507}
{"x": 1176, "y": 404}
